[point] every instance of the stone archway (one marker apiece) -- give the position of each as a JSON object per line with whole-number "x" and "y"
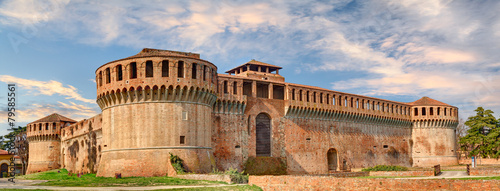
{"x": 332, "y": 160}
{"x": 263, "y": 135}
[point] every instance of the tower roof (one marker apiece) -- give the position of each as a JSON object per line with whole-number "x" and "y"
{"x": 424, "y": 101}
{"x": 54, "y": 118}
{"x": 256, "y": 63}
{"x": 149, "y": 52}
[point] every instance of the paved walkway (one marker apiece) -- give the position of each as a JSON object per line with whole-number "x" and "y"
{"x": 446, "y": 175}
{"x": 26, "y": 184}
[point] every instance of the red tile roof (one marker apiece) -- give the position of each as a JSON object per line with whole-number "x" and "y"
{"x": 54, "y": 118}
{"x": 424, "y": 101}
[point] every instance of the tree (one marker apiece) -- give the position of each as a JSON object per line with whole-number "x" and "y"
{"x": 483, "y": 134}
{"x": 10, "y": 138}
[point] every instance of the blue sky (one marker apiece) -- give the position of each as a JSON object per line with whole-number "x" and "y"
{"x": 398, "y": 50}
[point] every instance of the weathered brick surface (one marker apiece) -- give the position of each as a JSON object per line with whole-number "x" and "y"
{"x": 334, "y": 183}
{"x": 209, "y": 120}
{"x": 210, "y": 177}
{"x": 485, "y": 171}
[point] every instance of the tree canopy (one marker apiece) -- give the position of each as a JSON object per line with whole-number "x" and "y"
{"x": 8, "y": 139}
{"x": 483, "y": 136}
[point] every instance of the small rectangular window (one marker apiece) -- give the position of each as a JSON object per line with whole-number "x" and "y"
{"x": 182, "y": 140}
{"x": 386, "y": 146}
{"x": 108, "y": 76}
{"x": 185, "y": 115}
{"x": 119, "y": 73}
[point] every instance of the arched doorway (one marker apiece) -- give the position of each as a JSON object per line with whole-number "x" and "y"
{"x": 332, "y": 160}
{"x": 4, "y": 168}
{"x": 263, "y": 135}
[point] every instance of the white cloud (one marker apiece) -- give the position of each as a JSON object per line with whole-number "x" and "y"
{"x": 46, "y": 88}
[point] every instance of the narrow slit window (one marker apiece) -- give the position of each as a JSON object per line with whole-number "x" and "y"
{"x": 204, "y": 73}
{"x": 235, "y": 88}
{"x": 225, "y": 87}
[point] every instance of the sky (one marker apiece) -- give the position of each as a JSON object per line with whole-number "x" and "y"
{"x": 398, "y": 50}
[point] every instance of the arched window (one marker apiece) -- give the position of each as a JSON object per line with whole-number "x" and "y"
{"x": 108, "y": 76}
{"x": 149, "y": 69}
{"x": 415, "y": 111}
{"x": 327, "y": 99}
{"x": 321, "y": 98}
{"x": 333, "y": 100}
{"x": 119, "y": 73}
{"x": 345, "y": 101}
{"x": 180, "y": 69}
{"x": 193, "y": 71}
{"x": 300, "y": 95}
{"x": 438, "y": 111}
{"x": 293, "y": 94}
{"x": 164, "y": 68}
{"x": 235, "y": 88}
{"x": 444, "y": 111}
{"x": 100, "y": 78}
{"x": 133, "y": 70}
{"x": 423, "y": 111}
{"x": 225, "y": 87}
{"x": 307, "y": 96}
{"x": 314, "y": 97}
{"x": 263, "y": 135}
{"x": 431, "y": 111}
{"x": 340, "y": 100}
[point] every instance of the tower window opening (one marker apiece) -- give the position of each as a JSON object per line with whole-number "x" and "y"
{"x": 180, "y": 69}
{"x": 164, "y": 68}
{"x": 235, "y": 88}
{"x": 108, "y": 76}
{"x": 314, "y": 97}
{"x": 182, "y": 140}
{"x": 119, "y": 73}
{"x": 415, "y": 111}
{"x": 133, "y": 70}
{"x": 300, "y": 95}
{"x": 293, "y": 94}
{"x": 438, "y": 111}
{"x": 204, "y": 73}
{"x": 327, "y": 99}
{"x": 307, "y": 96}
{"x": 149, "y": 69}
{"x": 444, "y": 111}
{"x": 100, "y": 78}
{"x": 225, "y": 87}
{"x": 321, "y": 98}
{"x": 193, "y": 71}
{"x": 423, "y": 111}
{"x": 431, "y": 111}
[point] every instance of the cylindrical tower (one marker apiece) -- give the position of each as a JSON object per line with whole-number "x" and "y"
{"x": 45, "y": 143}
{"x": 433, "y": 133}
{"x": 156, "y": 103}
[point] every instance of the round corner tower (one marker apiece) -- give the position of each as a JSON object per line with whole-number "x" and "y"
{"x": 434, "y": 133}
{"x": 156, "y": 103}
{"x": 44, "y": 142}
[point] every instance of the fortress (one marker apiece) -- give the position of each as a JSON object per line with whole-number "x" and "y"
{"x": 159, "y": 102}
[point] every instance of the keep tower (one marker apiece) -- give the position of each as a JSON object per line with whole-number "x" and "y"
{"x": 433, "y": 133}
{"x": 155, "y": 103}
{"x": 45, "y": 142}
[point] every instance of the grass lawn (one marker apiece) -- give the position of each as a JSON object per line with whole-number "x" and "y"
{"x": 90, "y": 180}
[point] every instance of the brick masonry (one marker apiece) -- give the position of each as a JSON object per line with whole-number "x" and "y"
{"x": 160, "y": 102}
{"x": 333, "y": 183}
{"x": 401, "y": 173}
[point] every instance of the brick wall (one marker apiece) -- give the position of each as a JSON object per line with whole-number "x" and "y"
{"x": 333, "y": 183}
{"x": 485, "y": 171}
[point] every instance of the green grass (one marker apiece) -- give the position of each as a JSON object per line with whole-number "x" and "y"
{"x": 239, "y": 188}
{"x": 63, "y": 179}
{"x": 385, "y": 168}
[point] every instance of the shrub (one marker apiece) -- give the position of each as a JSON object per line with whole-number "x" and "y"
{"x": 177, "y": 163}
{"x": 237, "y": 177}
{"x": 385, "y": 168}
